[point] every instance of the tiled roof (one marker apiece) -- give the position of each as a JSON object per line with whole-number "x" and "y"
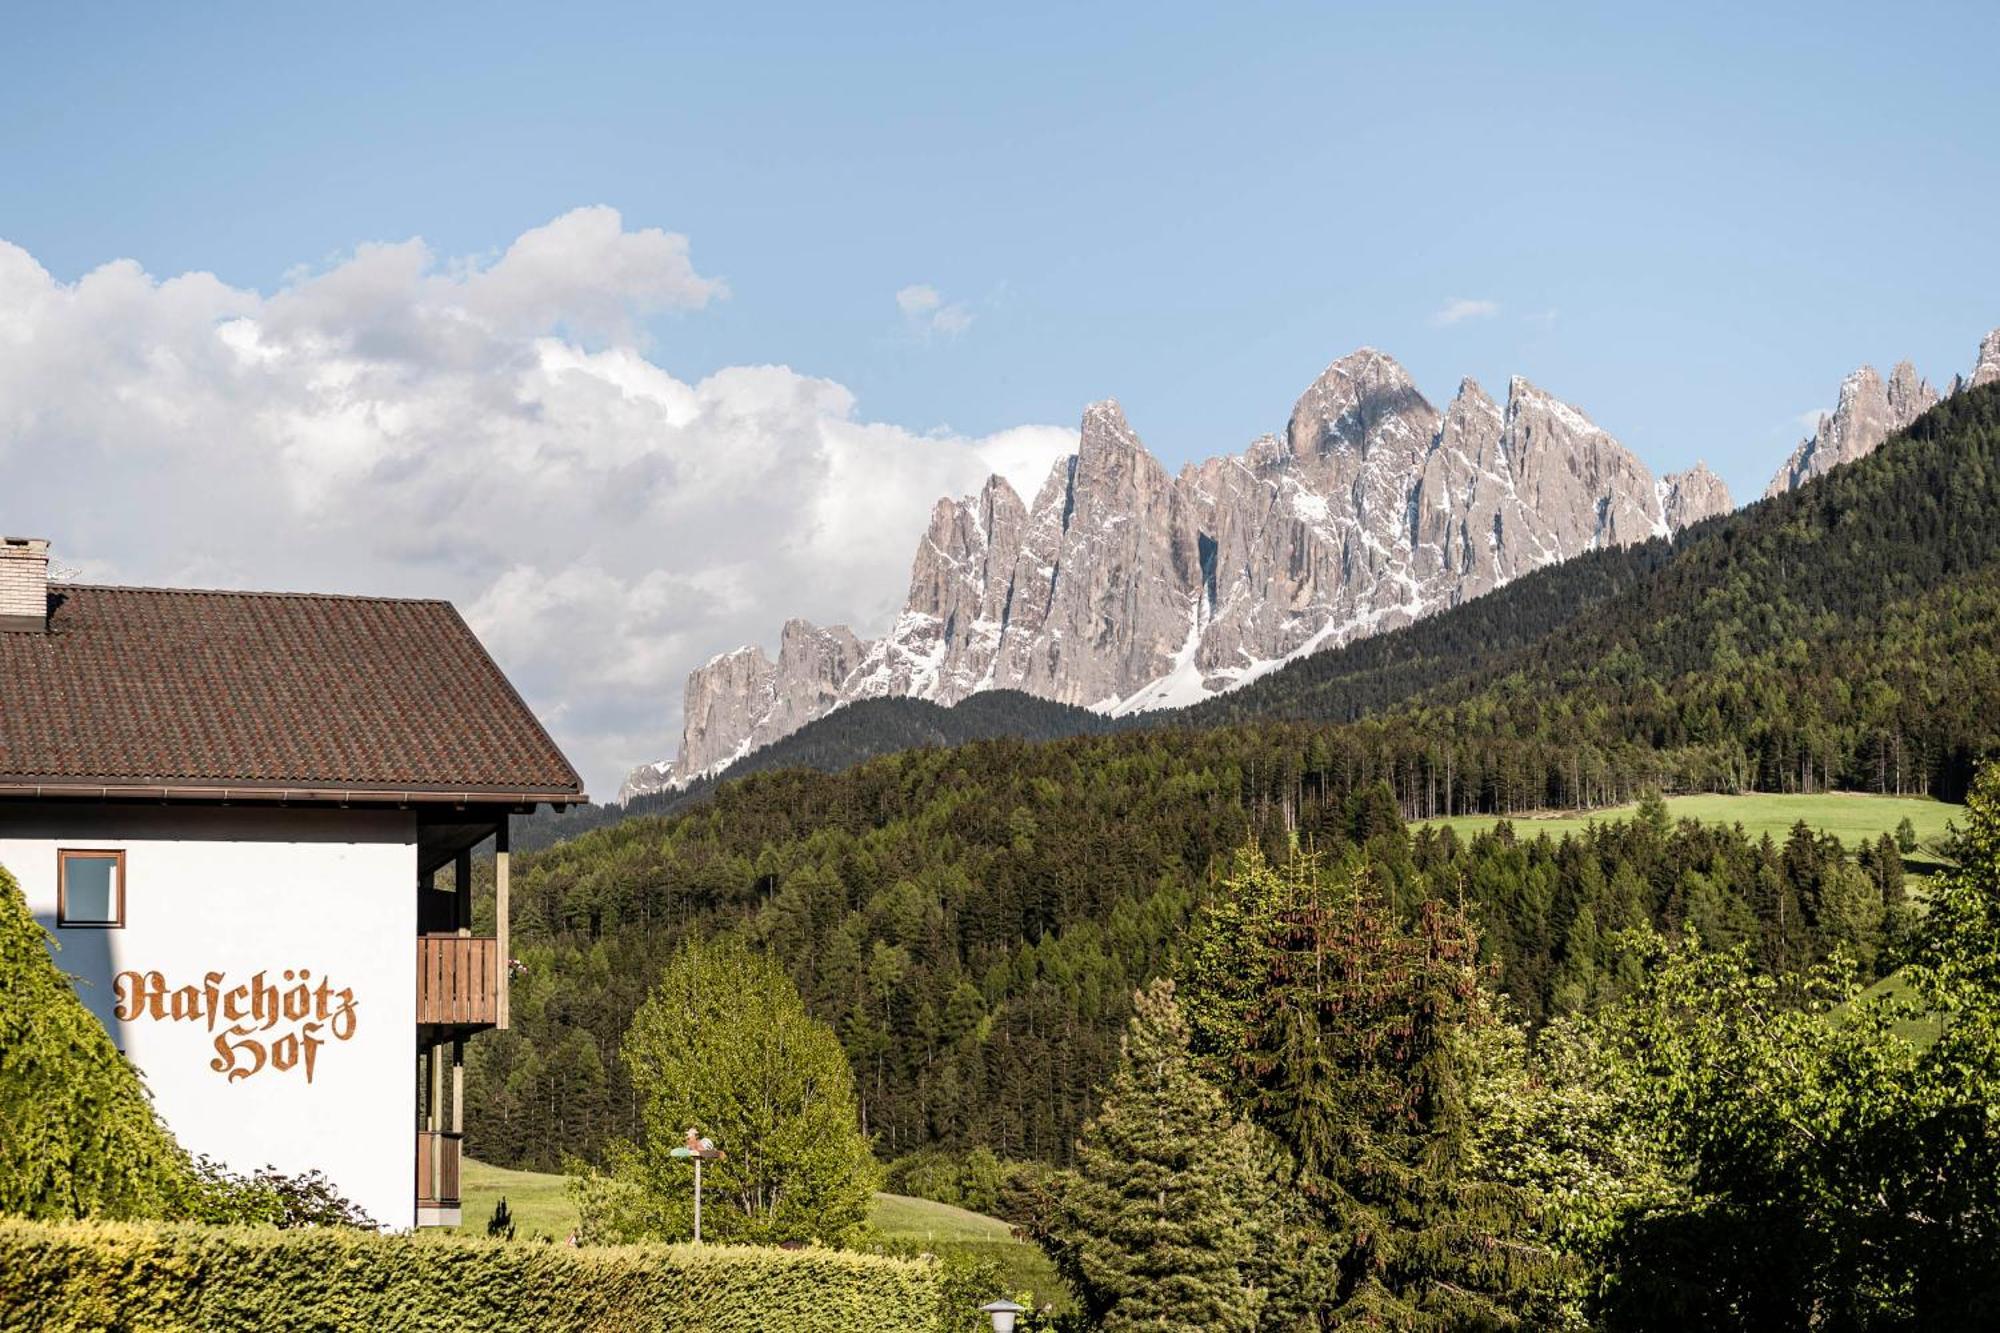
{"x": 156, "y": 687}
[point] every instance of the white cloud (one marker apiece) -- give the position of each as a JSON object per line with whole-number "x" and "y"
{"x": 488, "y": 431}
{"x": 952, "y": 320}
{"x": 928, "y": 312}
{"x": 917, "y": 299}
{"x": 1459, "y": 309}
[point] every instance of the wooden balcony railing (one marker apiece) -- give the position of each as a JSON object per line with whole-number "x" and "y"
{"x": 437, "y": 1169}
{"x": 458, "y": 980}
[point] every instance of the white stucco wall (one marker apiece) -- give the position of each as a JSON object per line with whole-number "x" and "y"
{"x": 239, "y": 891}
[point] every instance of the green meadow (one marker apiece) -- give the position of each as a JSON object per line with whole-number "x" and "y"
{"x": 1851, "y": 816}
{"x": 541, "y": 1207}
{"x": 537, "y": 1199}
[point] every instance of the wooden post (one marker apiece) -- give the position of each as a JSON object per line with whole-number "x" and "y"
{"x": 458, "y": 1086}
{"x": 501, "y": 881}
{"x": 463, "y": 903}
{"x": 433, "y": 1168}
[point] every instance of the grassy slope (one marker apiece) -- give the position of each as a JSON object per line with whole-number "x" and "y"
{"x": 904, "y": 1217}
{"x": 1851, "y": 816}
{"x": 536, "y": 1199}
{"x": 1917, "y": 1031}
{"x": 542, "y": 1208}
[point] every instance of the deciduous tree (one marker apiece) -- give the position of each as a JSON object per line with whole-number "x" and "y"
{"x": 724, "y": 1045}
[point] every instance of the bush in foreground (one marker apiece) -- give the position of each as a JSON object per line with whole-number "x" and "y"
{"x": 78, "y": 1136}
{"x": 173, "y": 1278}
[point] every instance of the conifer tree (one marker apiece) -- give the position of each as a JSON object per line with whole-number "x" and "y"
{"x": 1351, "y": 1055}
{"x": 1152, "y": 1226}
{"x": 1576, "y": 979}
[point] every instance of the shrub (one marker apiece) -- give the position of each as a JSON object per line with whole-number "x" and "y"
{"x": 78, "y": 1135}
{"x": 977, "y": 1179}
{"x": 169, "y": 1278}
{"x": 928, "y": 1173}
{"x": 1906, "y": 835}
{"x": 269, "y": 1197}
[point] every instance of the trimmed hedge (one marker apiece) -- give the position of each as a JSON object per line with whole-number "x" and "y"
{"x": 167, "y": 1278}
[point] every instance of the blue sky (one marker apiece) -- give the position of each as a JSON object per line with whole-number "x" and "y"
{"x": 1692, "y": 222}
{"x": 710, "y": 305}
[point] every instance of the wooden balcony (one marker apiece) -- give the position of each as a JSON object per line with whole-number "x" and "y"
{"x": 458, "y": 981}
{"x": 437, "y": 1169}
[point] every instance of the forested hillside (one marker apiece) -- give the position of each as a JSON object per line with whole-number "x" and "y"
{"x": 974, "y": 919}
{"x": 1885, "y": 529}
{"x": 842, "y": 739}
{"x": 1840, "y": 635}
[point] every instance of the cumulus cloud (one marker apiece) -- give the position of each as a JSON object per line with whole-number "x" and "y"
{"x": 491, "y": 431}
{"x": 928, "y": 312}
{"x": 1459, "y": 309}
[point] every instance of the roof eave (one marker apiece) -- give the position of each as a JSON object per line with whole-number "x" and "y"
{"x": 139, "y": 789}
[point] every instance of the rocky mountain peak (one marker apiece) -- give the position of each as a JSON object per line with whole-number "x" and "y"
{"x": 1586, "y": 489}
{"x": 1362, "y": 403}
{"x": 1859, "y": 383}
{"x": 1523, "y": 394}
{"x": 1987, "y": 369}
{"x": 1122, "y": 587}
{"x": 1868, "y": 411}
{"x": 998, "y": 491}
{"x": 1906, "y": 387}
{"x": 1688, "y": 497}
{"x": 1472, "y": 423}
{"x": 1469, "y": 391}
{"x": 1105, "y": 430}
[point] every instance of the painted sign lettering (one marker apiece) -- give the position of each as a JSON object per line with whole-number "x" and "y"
{"x": 260, "y": 1024}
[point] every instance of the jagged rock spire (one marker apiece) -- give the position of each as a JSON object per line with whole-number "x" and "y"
{"x": 1869, "y": 410}
{"x": 1987, "y": 368}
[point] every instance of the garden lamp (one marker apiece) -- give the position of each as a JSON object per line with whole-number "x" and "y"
{"x": 1003, "y": 1312}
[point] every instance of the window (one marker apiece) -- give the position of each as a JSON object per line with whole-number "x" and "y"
{"x": 91, "y": 888}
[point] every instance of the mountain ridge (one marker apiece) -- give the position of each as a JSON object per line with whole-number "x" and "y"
{"x": 1124, "y": 588}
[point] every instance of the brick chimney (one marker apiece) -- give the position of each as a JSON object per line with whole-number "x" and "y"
{"x": 24, "y": 584}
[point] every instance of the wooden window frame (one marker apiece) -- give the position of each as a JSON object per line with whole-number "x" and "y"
{"x": 63, "y": 856}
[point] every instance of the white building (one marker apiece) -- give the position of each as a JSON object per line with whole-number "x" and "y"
{"x": 248, "y": 821}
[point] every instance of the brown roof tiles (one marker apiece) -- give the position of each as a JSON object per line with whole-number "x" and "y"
{"x": 187, "y": 690}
